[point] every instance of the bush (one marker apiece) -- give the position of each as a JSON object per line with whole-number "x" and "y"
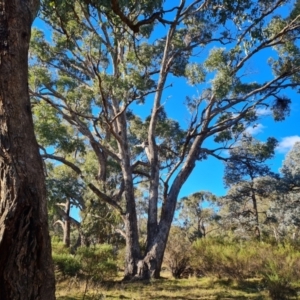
{"x": 281, "y": 271}
{"x": 278, "y": 266}
{"x": 224, "y": 258}
{"x": 177, "y": 254}
{"x": 98, "y": 262}
{"x": 59, "y": 247}
{"x": 63, "y": 261}
{"x": 66, "y": 263}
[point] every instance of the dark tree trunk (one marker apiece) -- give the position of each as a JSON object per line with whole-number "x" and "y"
{"x": 257, "y": 229}
{"x": 133, "y": 253}
{"x": 26, "y": 270}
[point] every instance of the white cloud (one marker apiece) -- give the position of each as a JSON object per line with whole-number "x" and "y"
{"x": 264, "y": 112}
{"x": 287, "y": 143}
{"x": 255, "y": 129}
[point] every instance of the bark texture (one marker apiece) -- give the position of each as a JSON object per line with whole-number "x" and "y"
{"x": 26, "y": 270}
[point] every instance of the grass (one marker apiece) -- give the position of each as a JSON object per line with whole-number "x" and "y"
{"x": 163, "y": 289}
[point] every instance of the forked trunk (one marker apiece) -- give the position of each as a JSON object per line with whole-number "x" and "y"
{"x": 26, "y": 270}
{"x": 149, "y": 265}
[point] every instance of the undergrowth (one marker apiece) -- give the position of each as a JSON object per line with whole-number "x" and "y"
{"x": 218, "y": 269}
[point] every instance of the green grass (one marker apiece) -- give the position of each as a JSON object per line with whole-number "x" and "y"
{"x": 164, "y": 289}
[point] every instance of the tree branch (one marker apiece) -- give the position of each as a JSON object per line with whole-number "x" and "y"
{"x": 136, "y": 27}
{"x": 100, "y": 194}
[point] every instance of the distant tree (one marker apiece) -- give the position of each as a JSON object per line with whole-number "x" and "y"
{"x": 95, "y": 221}
{"x": 100, "y": 223}
{"x": 26, "y": 270}
{"x": 245, "y": 165}
{"x": 64, "y": 192}
{"x": 196, "y": 212}
{"x": 291, "y": 169}
{"x": 103, "y": 59}
{"x": 284, "y": 211}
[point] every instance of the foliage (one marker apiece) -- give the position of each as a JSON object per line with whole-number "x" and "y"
{"x": 97, "y": 262}
{"x": 244, "y": 170}
{"x": 65, "y": 262}
{"x": 291, "y": 168}
{"x": 283, "y": 212}
{"x": 177, "y": 253}
{"x": 277, "y": 265}
{"x": 100, "y": 222}
{"x": 280, "y": 272}
{"x": 195, "y": 213}
{"x": 224, "y": 258}
{"x": 247, "y": 160}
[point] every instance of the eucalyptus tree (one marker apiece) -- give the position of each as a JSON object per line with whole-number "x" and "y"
{"x": 100, "y": 223}
{"x": 244, "y": 168}
{"x": 284, "y": 209}
{"x": 26, "y": 270}
{"x": 100, "y": 60}
{"x": 64, "y": 191}
{"x": 291, "y": 169}
{"x": 283, "y": 215}
{"x": 196, "y": 212}
{"x": 92, "y": 220}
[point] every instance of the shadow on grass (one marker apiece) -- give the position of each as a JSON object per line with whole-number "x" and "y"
{"x": 69, "y": 298}
{"x": 224, "y": 296}
{"x": 171, "y": 289}
{"x": 249, "y": 286}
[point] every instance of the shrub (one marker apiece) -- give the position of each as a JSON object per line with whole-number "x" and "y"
{"x": 223, "y": 258}
{"x": 59, "y": 247}
{"x": 66, "y": 263}
{"x": 63, "y": 261}
{"x": 281, "y": 271}
{"x": 98, "y": 262}
{"x": 177, "y": 254}
{"x": 278, "y": 266}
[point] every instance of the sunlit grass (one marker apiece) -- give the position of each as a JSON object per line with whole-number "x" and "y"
{"x": 165, "y": 288}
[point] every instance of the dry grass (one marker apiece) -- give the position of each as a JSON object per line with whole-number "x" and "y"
{"x": 164, "y": 289}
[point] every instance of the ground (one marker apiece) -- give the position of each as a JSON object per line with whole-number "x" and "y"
{"x": 164, "y": 289}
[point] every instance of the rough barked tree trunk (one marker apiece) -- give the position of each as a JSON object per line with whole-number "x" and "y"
{"x": 26, "y": 270}
{"x": 133, "y": 253}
